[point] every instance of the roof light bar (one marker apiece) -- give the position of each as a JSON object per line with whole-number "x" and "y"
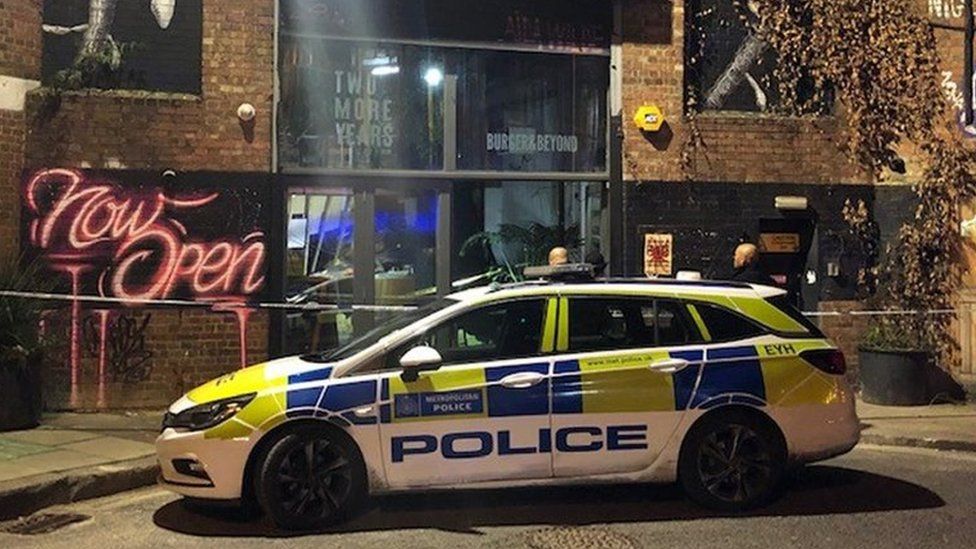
{"x": 568, "y": 271}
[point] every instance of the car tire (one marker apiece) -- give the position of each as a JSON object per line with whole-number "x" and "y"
{"x": 732, "y": 461}
{"x": 298, "y": 497}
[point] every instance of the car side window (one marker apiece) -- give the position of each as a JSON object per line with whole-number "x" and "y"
{"x": 724, "y": 325}
{"x": 502, "y": 331}
{"x": 597, "y": 324}
{"x": 674, "y": 325}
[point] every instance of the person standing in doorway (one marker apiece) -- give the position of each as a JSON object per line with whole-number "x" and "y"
{"x": 746, "y": 264}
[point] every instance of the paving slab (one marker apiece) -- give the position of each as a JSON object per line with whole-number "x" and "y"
{"x": 940, "y": 426}
{"x": 112, "y": 448}
{"x": 48, "y": 437}
{"x": 75, "y": 456}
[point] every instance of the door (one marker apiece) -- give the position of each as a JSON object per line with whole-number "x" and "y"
{"x": 484, "y": 414}
{"x": 622, "y": 378}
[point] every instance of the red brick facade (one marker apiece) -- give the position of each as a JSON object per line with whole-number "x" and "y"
{"x": 20, "y": 46}
{"x": 142, "y": 130}
{"x": 736, "y": 147}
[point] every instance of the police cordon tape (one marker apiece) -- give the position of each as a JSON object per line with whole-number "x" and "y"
{"x": 221, "y": 305}
{"x": 312, "y": 306}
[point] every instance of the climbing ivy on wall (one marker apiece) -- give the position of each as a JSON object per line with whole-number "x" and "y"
{"x": 879, "y": 60}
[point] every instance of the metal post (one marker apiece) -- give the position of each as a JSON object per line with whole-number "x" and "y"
{"x": 968, "y": 68}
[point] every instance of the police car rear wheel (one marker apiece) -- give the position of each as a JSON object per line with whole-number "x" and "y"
{"x": 311, "y": 478}
{"x": 732, "y": 462}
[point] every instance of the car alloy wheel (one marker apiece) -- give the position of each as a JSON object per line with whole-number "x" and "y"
{"x": 314, "y": 479}
{"x": 735, "y": 464}
{"x": 732, "y": 460}
{"x": 311, "y": 478}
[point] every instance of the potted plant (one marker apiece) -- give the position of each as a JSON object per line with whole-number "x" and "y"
{"x": 22, "y": 346}
{"x": 894, "y": 363}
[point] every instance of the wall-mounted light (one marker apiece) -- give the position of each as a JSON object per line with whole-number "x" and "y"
{"x": 246, "y": 112}
{"x": 649, "y": 118}
{"x": 791, "y": 203}
{"x": 433, "y": 76}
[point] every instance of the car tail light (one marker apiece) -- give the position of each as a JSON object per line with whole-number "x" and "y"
{"x": 827, "y": 360}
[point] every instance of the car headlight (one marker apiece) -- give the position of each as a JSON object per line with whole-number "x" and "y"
{"x": 205, "y": 416}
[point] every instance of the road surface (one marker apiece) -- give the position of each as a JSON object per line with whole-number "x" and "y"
{"x": 873, "y": 497}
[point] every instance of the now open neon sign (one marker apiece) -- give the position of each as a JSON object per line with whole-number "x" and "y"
{"x": 135, "y": 242}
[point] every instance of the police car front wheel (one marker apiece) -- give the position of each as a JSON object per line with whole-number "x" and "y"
{"x": 311, "y": 477}
{"x": 732, "y": 462}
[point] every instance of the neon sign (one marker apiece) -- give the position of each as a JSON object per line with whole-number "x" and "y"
{"x": 134, "y": 242}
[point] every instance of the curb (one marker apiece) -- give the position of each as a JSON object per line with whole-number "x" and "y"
{"x": 23, "y": 497}
{"x": 931, "y": 443}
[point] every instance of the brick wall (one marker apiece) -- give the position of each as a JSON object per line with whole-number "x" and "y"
{"x": 20, "y": 58}
{"x": 20, "y": 38}
{"x": 844, "y": 330}
{"x": 178, "y": 350}
{"x": 155, "y": 131}
{"x": 737, "y": 146}
{"x": 145, "y": 130}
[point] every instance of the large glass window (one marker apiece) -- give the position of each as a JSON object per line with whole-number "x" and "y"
{"x": 374, "y": 85}
{"x": 320, "y": 258}
{"x": 501, "y": 227}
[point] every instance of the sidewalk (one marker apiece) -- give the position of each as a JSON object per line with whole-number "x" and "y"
{"x": 75, "y": 456}
{"x": 939, "y": 426}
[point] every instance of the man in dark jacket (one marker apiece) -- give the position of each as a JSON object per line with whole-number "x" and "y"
{"x": 746, "y": 263}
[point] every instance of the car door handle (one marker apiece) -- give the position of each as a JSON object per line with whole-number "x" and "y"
{"x": 522, "y": 380}
{"x": 669, "y": 365}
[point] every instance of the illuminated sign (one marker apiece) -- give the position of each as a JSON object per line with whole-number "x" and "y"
{"x": 142, "y": 242}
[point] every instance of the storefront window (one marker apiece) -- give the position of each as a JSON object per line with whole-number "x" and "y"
{"x": 406, "y": 231}
{"x": 368, "y": 90}
{"x": 531, "y": 112}
{"x": 320, "y": 266}
{"x": 501, "y": 227}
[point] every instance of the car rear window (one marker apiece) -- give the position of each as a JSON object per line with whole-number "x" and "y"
{"x": 724, "y": 325}
{"x": 782, "y": 303}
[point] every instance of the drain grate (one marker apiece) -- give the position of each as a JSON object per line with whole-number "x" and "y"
{"x": 42, "y": 523}
{"x": 579, "y": 538}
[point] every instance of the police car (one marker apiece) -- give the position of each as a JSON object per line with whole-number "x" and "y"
{"x": 719, "y": 386}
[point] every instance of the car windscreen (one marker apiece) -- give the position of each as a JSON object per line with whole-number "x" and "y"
{"x": 364, "y": 341}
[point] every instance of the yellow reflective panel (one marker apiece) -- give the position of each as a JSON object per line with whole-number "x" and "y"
{"x": 562, "y": 344}
{"x": 239, "y": 382}
{"x": 625, "y": 383}
{"x": 760, "y": 310}
{"x": 261, "y": 409}
{"x": 699, "y": 322}
{"x": 791, "y": 381}
{"x": 549, "y": 328}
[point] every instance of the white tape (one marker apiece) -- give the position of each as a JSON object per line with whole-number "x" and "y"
{"x": 222, "y": 305}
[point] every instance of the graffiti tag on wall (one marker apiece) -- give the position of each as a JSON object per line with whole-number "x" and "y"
{"x": 120, "y": 345}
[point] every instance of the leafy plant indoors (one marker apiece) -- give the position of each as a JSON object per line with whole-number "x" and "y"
{"x": 531, "y": 246}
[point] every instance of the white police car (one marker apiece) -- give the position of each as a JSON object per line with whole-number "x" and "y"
{"x": 720, "y": 386}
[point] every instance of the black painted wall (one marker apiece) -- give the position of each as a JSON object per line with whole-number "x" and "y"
{"x": 708, "y": 220}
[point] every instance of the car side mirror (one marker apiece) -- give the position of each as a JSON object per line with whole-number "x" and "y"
{"x": 421, "y": 358}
